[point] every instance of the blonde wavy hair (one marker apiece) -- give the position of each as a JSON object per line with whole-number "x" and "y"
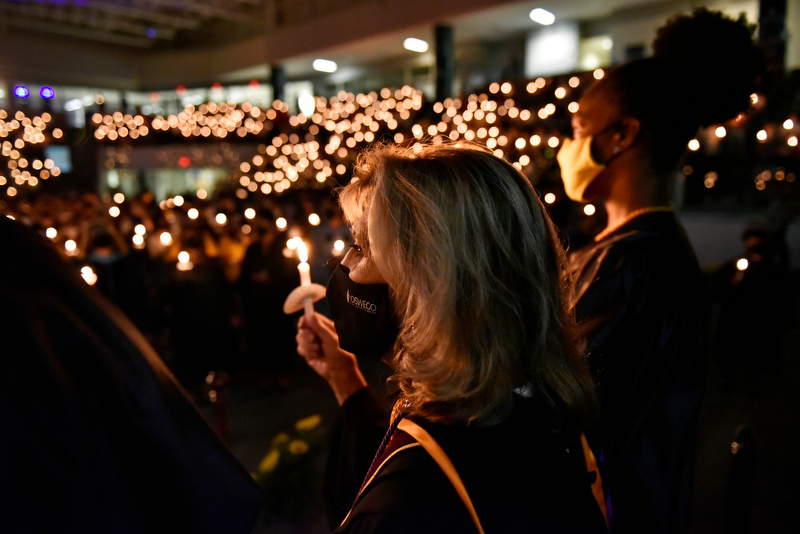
{"x": 476, "y": 270}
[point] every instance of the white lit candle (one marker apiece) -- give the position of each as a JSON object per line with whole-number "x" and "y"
{"x": 305, "y": 275}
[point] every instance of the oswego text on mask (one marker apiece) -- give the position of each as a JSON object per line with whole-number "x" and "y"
{"x": 361, "y": 304}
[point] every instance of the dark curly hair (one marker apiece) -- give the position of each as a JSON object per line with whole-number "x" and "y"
{"x": 704, "y": 69}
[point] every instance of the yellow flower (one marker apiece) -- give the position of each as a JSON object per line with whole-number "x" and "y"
{"x": 283, "y": 437}
{"x": 309, "y": 423}
{"x": 298, "y": 447}
{"x": 270, "y": 461}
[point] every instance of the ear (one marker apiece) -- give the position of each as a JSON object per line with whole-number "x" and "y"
{"x": 628, "y": 132}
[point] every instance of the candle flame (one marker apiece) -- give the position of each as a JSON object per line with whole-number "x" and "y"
{"x": 302, "y": 251}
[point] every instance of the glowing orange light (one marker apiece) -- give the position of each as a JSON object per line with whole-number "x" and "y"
{"x": 88, "y": 275}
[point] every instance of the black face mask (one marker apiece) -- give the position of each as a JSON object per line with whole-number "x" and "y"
{"x": 362, "y": 314}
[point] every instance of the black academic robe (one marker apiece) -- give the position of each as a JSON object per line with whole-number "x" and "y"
{"x": 640, "y": 303}
{"x": 520, "y": 475}
{"x": 97, "y": 436}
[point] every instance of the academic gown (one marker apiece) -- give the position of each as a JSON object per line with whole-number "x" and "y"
{"x": 97, "y": 436}
{"x": 641, "y": 306}
{"x": 520, "y": 475}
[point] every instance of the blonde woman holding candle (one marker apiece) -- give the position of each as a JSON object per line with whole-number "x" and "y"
{"x": 455, "y": 280}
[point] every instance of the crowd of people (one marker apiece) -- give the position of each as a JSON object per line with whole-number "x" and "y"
{"x": 532, "y": 391}
{"x": 220, "y": 307}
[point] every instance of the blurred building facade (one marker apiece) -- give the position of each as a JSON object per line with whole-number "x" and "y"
{"x": 156, "y": 54}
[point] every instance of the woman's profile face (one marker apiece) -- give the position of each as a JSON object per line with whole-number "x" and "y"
{"x": 358, "y": 259}
{"x": 598, "y": 116}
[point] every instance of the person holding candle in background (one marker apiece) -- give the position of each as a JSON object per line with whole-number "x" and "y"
{"x": 638, "y": 291}
{"x": 455, "y": 279}
{"x": 265, "y": 280}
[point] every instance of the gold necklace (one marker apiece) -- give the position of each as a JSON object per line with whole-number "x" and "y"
{"x": 628, "y": 218}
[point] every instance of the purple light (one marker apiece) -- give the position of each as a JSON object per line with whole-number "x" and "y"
{"x": 47, "y": 92}
{"x": 151, "y": 32}
{"x": 21, "y": 91}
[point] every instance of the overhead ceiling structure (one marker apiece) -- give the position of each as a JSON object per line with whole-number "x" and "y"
{"x": 131, "y": 24}
{"x": 156, "y": 44}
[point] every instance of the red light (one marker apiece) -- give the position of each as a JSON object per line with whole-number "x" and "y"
{"x": 155, "y": 97}
{"x": 184, "y": 161}
{"x": 181, "y": 90}
{"x": 253, "y": 84}
{"x": 216, "y": 86}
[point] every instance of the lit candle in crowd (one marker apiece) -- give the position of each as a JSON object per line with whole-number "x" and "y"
{"x": 184, "y": 261}
{"x": 305, "y": 275}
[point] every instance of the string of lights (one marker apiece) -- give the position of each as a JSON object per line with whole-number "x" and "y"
{"x": 523, "y": 123}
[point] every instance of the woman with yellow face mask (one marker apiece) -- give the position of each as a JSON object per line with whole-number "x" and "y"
{"x": 637, "y": 289}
